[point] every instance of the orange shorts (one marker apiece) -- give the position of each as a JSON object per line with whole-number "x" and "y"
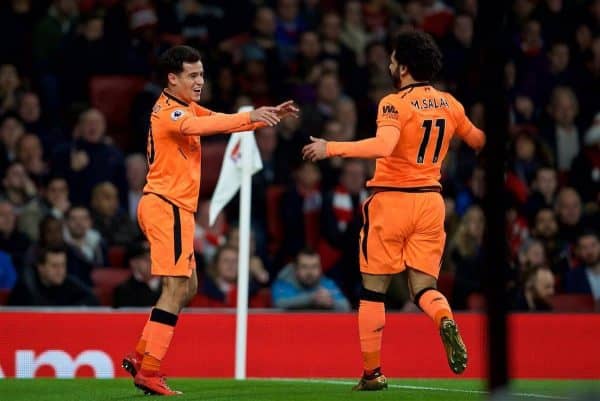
{"x": 170, "y": 231}
{"x": 402, "y": 230}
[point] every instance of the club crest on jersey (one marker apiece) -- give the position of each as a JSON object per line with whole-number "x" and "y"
{"x": 389, "y": 111}
{"x": 177, "y": 114}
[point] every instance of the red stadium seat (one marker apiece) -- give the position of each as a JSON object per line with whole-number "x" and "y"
{"x": 116, "y": 256}
{"x": 573, "y": 303}
{"x": 4, "y": 293}
{"x": 262, "y": 299}
{"x": 445, "y": 284}
{"x": 476, "y": 302}
{"x": 113, "y": 95}
{"x": 105, "y": 280}
{"x": 274, "y": 223}
{"x": 212, "y": 159}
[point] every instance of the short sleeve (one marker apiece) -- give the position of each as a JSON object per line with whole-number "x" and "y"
{"x": 389, "y": 113}
{"x": 463, "y": 124}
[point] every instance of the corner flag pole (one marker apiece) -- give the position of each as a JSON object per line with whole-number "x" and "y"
{"x": 241, "y": 327}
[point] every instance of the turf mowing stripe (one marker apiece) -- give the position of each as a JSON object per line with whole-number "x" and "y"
{"x": 409, "y": 387}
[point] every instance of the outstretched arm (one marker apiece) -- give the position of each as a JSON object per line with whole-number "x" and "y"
{"x": 217, "y": 123}
{"x": 381, "y": 145}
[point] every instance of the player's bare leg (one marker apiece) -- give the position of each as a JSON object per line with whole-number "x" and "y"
{"x": 176, "y": 293}
{"x": 371, "y": 321}
{"x": 423, "y": 289}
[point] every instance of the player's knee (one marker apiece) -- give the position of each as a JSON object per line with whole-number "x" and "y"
{"x": 370, "y": 295}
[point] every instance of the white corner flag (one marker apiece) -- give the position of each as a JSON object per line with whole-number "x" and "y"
{"x": 241, "y": 161}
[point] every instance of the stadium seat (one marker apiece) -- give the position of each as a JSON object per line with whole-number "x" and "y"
{"x": 274, "y": 223}
{"x": 4, "y": 293}
{"x": 212, "y": 158}
{"x": 445, "y": 284}
{"x": 105, "y": 280}
{"x": 573, "y": 303}
{"x": 476, "y": 302}
{"x": 116, "y": 256}
{"x": 262, "y": 299}
{"x": 113, "y": 95}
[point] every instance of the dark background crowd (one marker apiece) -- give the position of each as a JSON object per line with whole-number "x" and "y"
{"x": 77, "y": 83}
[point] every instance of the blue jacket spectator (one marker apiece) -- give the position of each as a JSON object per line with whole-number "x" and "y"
{"x": 302, "y": 286}
{"x": 8, "y": 275}
{"x": 585, "y": 279}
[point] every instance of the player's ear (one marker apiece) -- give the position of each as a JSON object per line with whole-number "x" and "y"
{"x": 402, "y": 69}
{"x": 172, "y": 78}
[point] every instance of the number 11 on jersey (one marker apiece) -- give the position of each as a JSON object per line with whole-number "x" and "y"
{"x": 428, "y": 124}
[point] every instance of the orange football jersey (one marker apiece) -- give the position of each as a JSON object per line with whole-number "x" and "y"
{"x": 173, "y": 148}
{"x": 427, "y": 120}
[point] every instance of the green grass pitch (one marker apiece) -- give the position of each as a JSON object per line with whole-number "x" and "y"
{"x": 288, "y": 390}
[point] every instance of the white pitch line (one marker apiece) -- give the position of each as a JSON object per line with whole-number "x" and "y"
{"x": 427, "y": 388}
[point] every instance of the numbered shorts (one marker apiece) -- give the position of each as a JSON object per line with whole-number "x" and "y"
{"x": 170, "y": 231}
{"x": 402, "y": 230}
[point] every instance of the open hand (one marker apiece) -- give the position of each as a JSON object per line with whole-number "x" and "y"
{"x": 265, "y": 114}
{"x": 317, "y": 150}
{"x": 287, "y": 108}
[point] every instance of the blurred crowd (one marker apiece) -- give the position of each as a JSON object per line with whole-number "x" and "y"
{"x": 72, "y": 172}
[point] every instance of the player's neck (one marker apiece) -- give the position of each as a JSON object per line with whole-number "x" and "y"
{"x": 176, "y": 95}
{"x": 409, "y": 81}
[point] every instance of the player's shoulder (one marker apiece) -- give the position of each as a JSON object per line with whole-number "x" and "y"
{"x": 168, "y": 109}
{"x": 453, "y": 103}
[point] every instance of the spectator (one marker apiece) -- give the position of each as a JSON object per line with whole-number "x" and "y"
{"x": 545, "y": 229}
{"x": 258, "y": 271}
{"x": 207, "y": 238}
{"x": 49, "y": 285}
{"x": 466, "y": 256}
{"x": 531, "y": 254}
{"x": 10, "y": 88}
{"x": 341, "y": 221}
{"x": 29, "y": 152}
{"x": 585, "y": 278}
{"x": 300, "y": 209}
{"x": 113, "y": 224}
{"x": 219, "y": 285}
{"x": 141, "y": 289}
{"x": 301, "y": 285}
{"x": 585, "y": 170}
{"x": 562, "y": 135}
{"x": 536, "y": 292}
{"x": 51, "y": 236}
{"x": 290, "y": 25}
{"x": 11, "y": 130}
{"x": 328, "y": 94}
{"x": 54, "y": 202}
{"x": 17, "y": 187}
{"x": 354, "y": 35}
{"x": 544, "y": 188}
{"x": 137, "y": 168}
{"x": 569, "y": 212}
{"x": 79, "y": 234}
{"x": 12, "y": 241}
{"x": 8, "y": 274}
{"x": 334, "y": 48}
{"x": 89, "y": 160}
{"x": 473, "y": 193}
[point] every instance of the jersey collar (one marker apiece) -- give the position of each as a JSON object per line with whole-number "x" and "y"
{"x": 167, "y": 94}
{"x": 415, "y": 85}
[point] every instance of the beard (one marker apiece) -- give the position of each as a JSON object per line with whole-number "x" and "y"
{"x": 395, "y": 76}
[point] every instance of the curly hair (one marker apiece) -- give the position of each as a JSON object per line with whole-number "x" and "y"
{"x": 419, "y": 53}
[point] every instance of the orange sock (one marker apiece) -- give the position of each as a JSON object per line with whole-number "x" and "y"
{"x": 371, "y": 320}
{"x": 160, "y": 330}
{"x": 434, "y": 304}
{"x": 140, "y": 348}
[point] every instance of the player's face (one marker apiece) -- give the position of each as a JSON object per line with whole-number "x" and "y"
{"x": 188, "y": 84}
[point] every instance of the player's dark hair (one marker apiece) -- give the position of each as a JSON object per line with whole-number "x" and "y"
{"x": 171, "y": 61}
{"x": 419, "y": 53}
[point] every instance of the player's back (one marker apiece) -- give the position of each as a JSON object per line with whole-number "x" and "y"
{"x": 427, "y": 119}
